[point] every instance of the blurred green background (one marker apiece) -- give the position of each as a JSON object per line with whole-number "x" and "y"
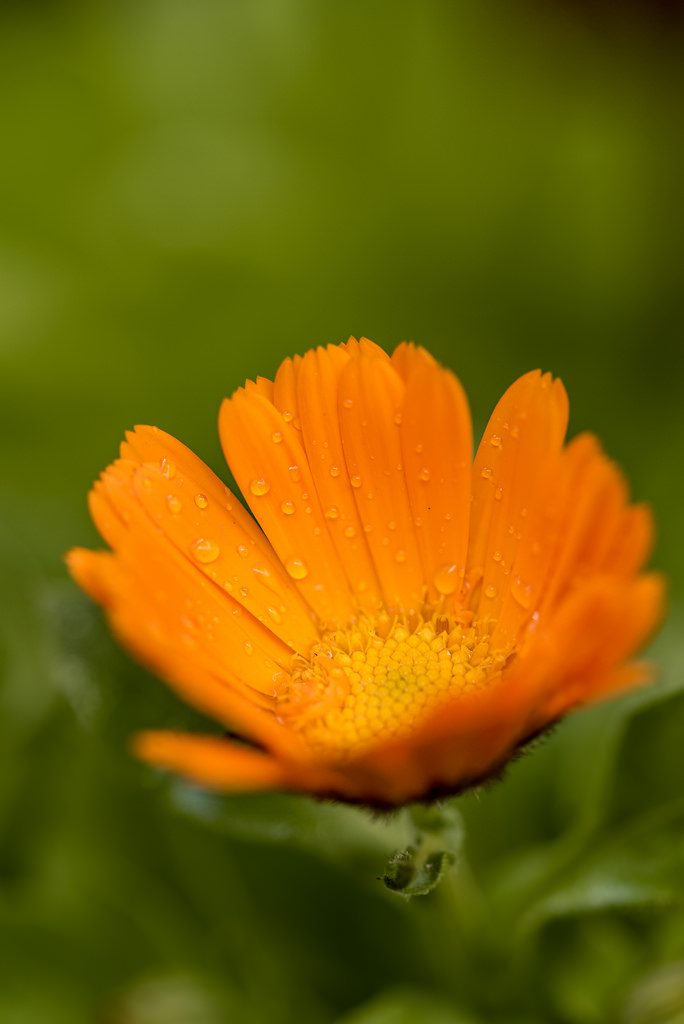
{"x": 191, "y": 190}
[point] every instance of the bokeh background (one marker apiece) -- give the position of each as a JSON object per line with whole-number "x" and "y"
{"x": 191, "y": 190}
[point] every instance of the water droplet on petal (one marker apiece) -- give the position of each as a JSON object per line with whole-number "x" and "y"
{"x": 249, "y": 647}
{"x": 295, "y": 474}
{"x": 400, "y": 556}
{"x": 497, "y": 556}
{"x": 287, "y": 508}
{"x": 201, "y": 500}
{"x": 498, "y": 494}
{"x": 447, "y": 579}
{"x": 276, "y": 437}
{"x": 391, "y": 525}
{"x": 490, "y": 591}
{"x": 274, "y": 614}
{"x": 349, "y": 531}
{"x": 495, "y": 440}
{"x": 205, "y": 550}
{"x": 355, "y": 480}
{"x": 242, "y": 550}
{"x": 288, "y": 416}
{"x": 168, "y": 468}
{"x": 297, "y": 568}
{"x": 173, "y": 504}
{"x": 332, "y": 512}
{"x": 522, "y": 592}
{"x": 334, "y": 471}
{"x": 398, "y": 418}
{"x": 424, "y": 474}
{"x": 348, "y": 403}
{"x": 486, "y": 472}
{"x": 259, "y": 486}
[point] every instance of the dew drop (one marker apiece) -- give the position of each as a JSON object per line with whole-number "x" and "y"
{"x": 244, "y": 591}
{"x": 297, "y": 569}
{"x": 522, "y": 592}
{"x": 259, "y": 486}
{"x": 242, "y": 550}
{"x": 497, "y": 556}
{"x": 276, "y": 437}
{"x": 418, "y": 521}
{"x": 355, "y": 480}
{"x": 446, "y": 579}
{"x": 424, "y": 474}
{"x": 391, "y": 525}
{"x": 274, "y": 613}
{"x": 348, "y": 403}
{"x": 201, "y": 500}
{"x": 495, "y": 440}
{"x": 486, "y": 472}
{"x": 173, "y": 504}
{"x": 349, "y": 531}
{"x": 498, "y": 494}
{"x": 168, "y": 468}
{"x": 490, "y": 591}
{"x": 259, "y": 570}
{"x": 287, "y": 508}
{"x": 334, "y": 471}
{"x": 205, "y": 550}
{"x": 249, "y": 647}
{"x": 288, "y": 416}
{"x": 400, "y": 556}
{"x": 418, "y": 449}
{"x": 295, "y": 474}
{"x": 332, "y": 512}
{"x": 398, "y": 418}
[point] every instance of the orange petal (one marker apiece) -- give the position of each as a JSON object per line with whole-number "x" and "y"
{"x": 206, "y": 523}
{"x": 210, "y": 761}
{"x": 270, "y": 465}
{"x": 512, "y": 466}
{"x": 436, "y": 442}
{"x": 371, "y": 395}
{"x": 174, "y": 646}
{"x": 317, "y": 391}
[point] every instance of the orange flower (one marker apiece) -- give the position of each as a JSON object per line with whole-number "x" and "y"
{"x": 405, "y": 618}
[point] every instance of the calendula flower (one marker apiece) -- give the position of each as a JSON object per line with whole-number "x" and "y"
{"x": 400, "y": 618}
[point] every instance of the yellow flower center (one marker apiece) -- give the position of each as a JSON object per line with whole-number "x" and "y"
{"x": 377, "y": 680}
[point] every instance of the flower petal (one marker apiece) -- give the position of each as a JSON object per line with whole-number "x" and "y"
{"x": 371, "y": 395}
{"x": 205, "y": 522}
{"x": 436, "y": 443}
{"x": 210, "y": 761}
{"x": 518, "y": 450}
{"x": 267, "y": 458}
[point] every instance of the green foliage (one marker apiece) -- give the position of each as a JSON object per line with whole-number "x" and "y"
{"x": 190, "y": 192}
